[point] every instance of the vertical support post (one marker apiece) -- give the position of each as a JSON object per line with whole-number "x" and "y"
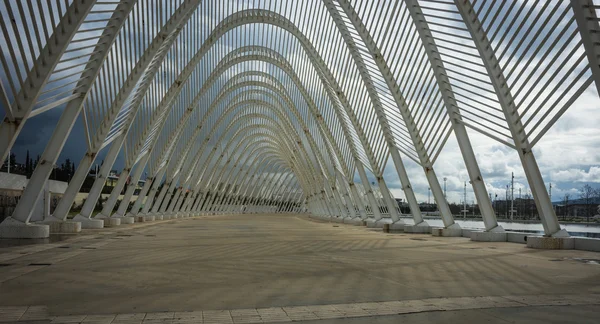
{"x": 349, "y": 203}
{"x": 173, "y": 201}
{"x": 412, "y": 128}
{"x": 138, "y": 202}
{"x": 182, "y": 197}
{"x": 411, "y": 199}
{"x": 359, "y": 201}
{"x": 155, "y": 183}
{"x": 464, "y": 143}
{"x": 65, "y": 203}
{"x": 511, "y": 114}
{"x": 438, "y": 196}
{"x": 343, "y": 210}
{"x": 365, "y": 182}
{"x": 97, "y": 186}
{"x": 332, "y": 204}
{"x": 69, "y": 22}
{"x": 391, "y": 203}
{"x": 326, "y": 205}
{"x": 108, "y": 207}
{"x": 198, "y": 203}
{"x": 131, "y": 188}
{"x": 161, "y": 197}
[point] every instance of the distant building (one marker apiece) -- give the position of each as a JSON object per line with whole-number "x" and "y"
{"x": 578, "y": 208}
{"x": 12, "y": 186}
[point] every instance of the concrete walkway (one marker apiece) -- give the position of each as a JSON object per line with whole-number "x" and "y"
{"x": 277, "y": 268}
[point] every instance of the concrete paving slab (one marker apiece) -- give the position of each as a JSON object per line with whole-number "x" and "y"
{"x": 554, "y": 243}
{"x": 278, "y": 268}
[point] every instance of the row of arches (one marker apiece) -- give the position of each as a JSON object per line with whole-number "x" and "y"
{"x": 252, "y": 104}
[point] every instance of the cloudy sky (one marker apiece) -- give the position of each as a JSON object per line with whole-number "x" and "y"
{"x": 568, "y": 155}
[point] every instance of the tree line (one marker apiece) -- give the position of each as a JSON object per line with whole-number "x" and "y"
{"x": 62, "y": 172}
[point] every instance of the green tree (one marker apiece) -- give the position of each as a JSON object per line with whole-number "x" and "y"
{"x": 28, "y": 165}
{"x": 587, "y": 193}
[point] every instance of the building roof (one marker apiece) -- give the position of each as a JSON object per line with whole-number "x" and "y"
{"x": 11, "y": 181}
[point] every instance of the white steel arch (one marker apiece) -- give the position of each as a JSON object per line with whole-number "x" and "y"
{"x": 255, "y": 106}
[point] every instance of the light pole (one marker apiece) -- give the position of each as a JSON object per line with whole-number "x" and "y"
{"x": 506, "y": 198}
{"x": 495, "y": 204}
{"x": 465, "y": 201}
{"x": 512, "y": 196}
{"x": 428, "y": 196}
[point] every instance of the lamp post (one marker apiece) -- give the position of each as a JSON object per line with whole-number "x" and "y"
{"x": 428, "y": 196}
{"x": 465, "y": 202}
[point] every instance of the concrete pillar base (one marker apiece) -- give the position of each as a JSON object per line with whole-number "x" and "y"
{"x": 11, "y": 228}
{"x": 481, "y": 236}
{"x": 421, "y": 228}
{"x": 453, "y": 230}
{"x": 372, "y": 223}
{"x": 160, "y": 217}
{"x": 112, "y": 221}
{"x": 60, "y": 226}
{"x": 353, "y": 221}
{"x": 88, "y": 223}
{"x": 126, "y": 219}
{"x": 174, "y": 216}
{"x": 145, "y": 218}
{"x": 337, "y": 219}
{"x": 109, "y": 221}
{"x": 550, "y": 243}
{"x": 397, "y": 227}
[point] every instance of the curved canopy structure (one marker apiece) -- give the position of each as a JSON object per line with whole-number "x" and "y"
{"x": 262, "y": 105}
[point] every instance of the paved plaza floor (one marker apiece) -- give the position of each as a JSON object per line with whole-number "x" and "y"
{"x": 281, "y": 268}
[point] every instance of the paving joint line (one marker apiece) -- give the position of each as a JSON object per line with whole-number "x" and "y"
{"x": 20, "y": 314}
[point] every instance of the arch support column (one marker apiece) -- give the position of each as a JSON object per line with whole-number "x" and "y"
{"x": 460, "y": 131}
{"x": 589, "y": 30}
{"x": 371, "y": 222}
{"x": 524, "y": 149}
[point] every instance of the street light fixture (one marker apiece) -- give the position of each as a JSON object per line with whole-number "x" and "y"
{"x": 428, "y": 196}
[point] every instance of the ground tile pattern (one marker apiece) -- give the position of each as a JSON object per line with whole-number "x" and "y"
{"x": 281, "y": 268}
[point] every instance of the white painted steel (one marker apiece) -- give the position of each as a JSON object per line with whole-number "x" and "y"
{"x": 250, "y": 106}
